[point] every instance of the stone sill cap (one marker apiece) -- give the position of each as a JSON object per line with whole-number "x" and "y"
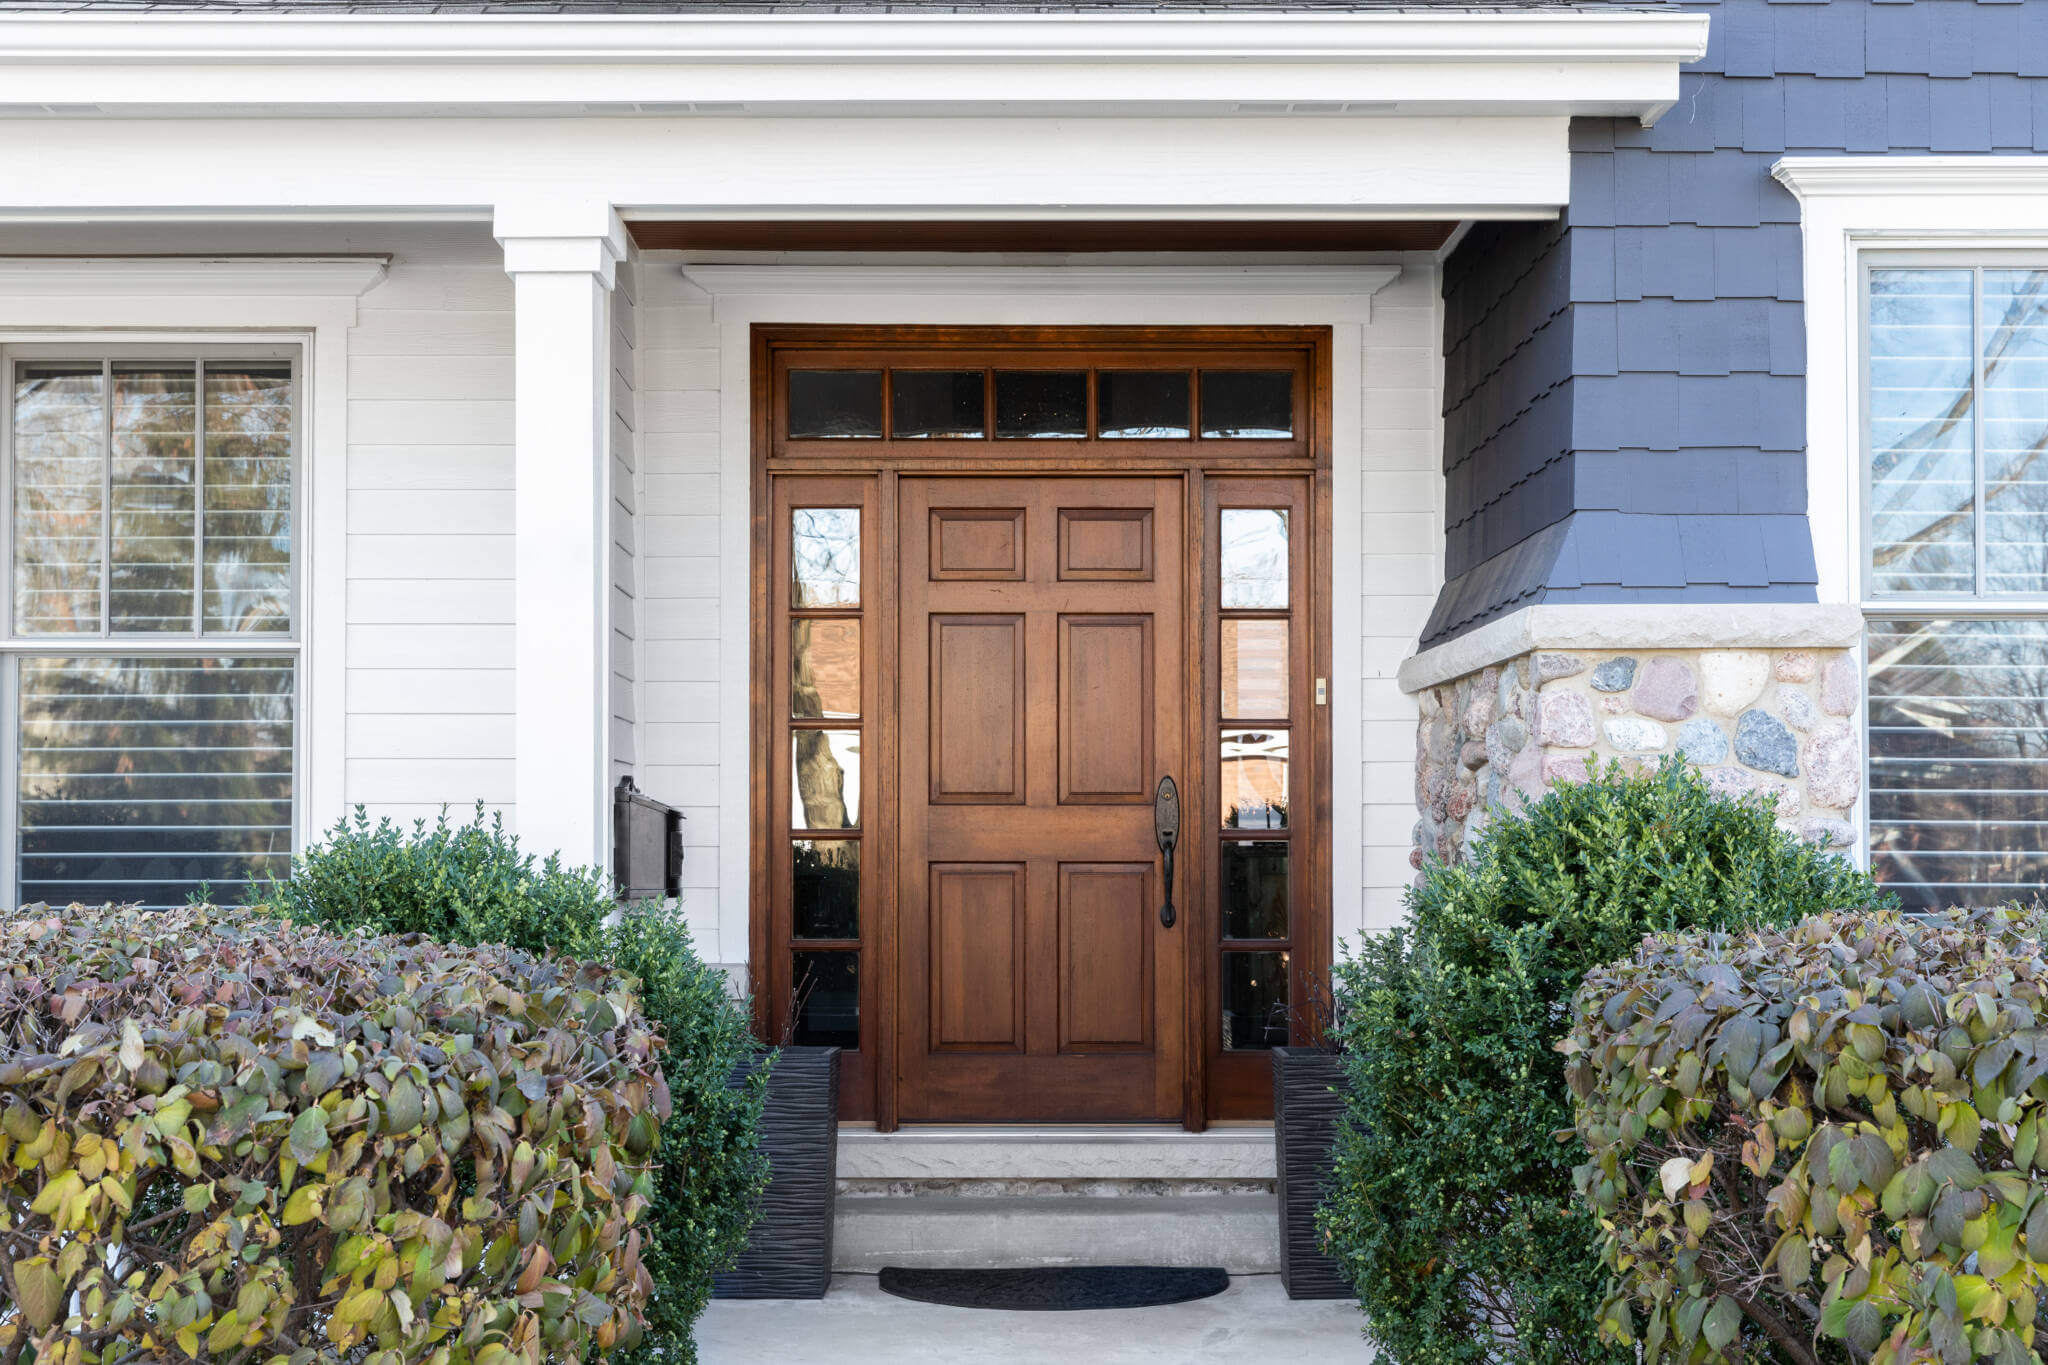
{"x": 1057, "y": 1152}
{"x": 1639, "y": 628}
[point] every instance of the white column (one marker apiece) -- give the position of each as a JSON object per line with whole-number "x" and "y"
{"x": 562, "y": 259}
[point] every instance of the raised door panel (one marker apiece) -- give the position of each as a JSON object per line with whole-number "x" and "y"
{"x": 1105, "y": 916}
{"x": 977, "y": 544}
{"x": 1105, "y": 544}
{"x": 1106, "y": 710}
{"x": 977, "y": 957}
{"x": 977, "y": 710}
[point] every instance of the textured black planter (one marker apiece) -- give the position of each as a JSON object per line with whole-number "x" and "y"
{"x": 1307, "y": 1098}
{"x": 789, "y": 1250}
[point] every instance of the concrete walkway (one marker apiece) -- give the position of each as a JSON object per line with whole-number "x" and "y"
{"x": 857, "y": 1324}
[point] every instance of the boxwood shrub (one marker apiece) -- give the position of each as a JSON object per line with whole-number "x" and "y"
{"x": 226, "y": 1139}
{"x": 1451, "y": 1207}
{"x": 471, "y": 883}
{"x": 1821, "y": 1143}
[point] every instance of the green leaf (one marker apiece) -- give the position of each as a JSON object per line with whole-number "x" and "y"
{"x": 42, "y": 1293}
{"x": 1723, "y": 1323}
{"x": 309, "y": 1135}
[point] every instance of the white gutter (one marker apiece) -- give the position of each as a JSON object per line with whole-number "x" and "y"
{"x": 1555, "y": 61}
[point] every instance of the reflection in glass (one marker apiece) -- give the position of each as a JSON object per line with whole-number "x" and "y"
{"x": 1248, "y": 404}
{"x": 1254, "y": 1000}
{"x": 145, "y": 779}
{"x": 2014, "y": 326}
{"x": 154, "y": 430}
{"x": 827, "y": 888}
{"x": 824, "y": 675}
{"x": 824, "y": 556}
{"x": 1141, "y": 405}
{"x": 1254, "y": 557}
{"x": 60, "y": 418}
{"x": 831, "y": 405}
{"x": 248, "y": 498}
{"x": 1254, "y": 889}
{"x": 936, "y": 405}
{"x": 1254, "y": 670}
{"x": 824, "y": 779}
{"x": 825, "y": 999}
{"x": 1958, "y": 715}
{"x": 1922, "y": 457}
{"x": 1254, "y": 779}
{"x": 1042, "y": 405}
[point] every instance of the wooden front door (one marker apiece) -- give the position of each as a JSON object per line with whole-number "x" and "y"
{"x": 1044, "y": 693}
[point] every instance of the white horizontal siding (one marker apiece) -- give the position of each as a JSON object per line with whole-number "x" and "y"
{"x": 628, "y": 497}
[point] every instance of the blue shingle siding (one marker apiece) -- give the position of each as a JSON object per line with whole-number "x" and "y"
{"x": 1624, "y": 391}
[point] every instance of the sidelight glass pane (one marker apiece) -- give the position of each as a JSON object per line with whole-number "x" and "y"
{"x": 1254, "y": 555}
{"x": 1142, "y": 405}
{"x": 827, "y": 888}
{"x": 1254, "y": 1000}
{"x": 824, "y": 556}
{"x": 1922, "y": 451}
{"x": 1041, "y": 405}
{"x": 1254, "y": 670}
{"x": 248, "y": 498}
{"x": 832, "y": 405}
{"x": 1254, "y": 779}
{"x": 1958, "y": 716}
{"x": 1248, "y": 404}
{"x": 825, "y": 1000}
{"x": 1254, "y": 889}
{"x": 824, "y": 681}
{"x": 155, "y": 431}
{"x": 2013, "y": 324}
{"x": 936, "y": 405}
{"x": 146, "y": 779}
{"x": 60, "y": 432}
{"x": 825, "y": 779}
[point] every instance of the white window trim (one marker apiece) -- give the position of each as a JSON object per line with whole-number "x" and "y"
{"x": 1339, "y": 296}
{"x": 1943, "y": 210}
{"x": 184, "y": 303}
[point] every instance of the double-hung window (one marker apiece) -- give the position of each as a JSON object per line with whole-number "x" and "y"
{"x": 1956, "y": 576}
{"x": 149, "y": 664}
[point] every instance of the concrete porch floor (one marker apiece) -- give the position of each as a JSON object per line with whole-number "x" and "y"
{"x": 857, "y": 1324}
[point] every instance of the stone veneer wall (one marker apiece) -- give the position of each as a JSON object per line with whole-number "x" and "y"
{"x": 1777, "y": 722}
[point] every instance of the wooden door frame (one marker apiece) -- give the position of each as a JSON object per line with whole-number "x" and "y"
{"x": 882, "y": 463}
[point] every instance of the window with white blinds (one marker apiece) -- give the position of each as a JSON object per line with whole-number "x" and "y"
{"x": 1957, "y": 589}
{"x": 151, "y": 653}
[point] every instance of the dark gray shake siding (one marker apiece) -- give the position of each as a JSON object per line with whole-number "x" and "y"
{"x": 1624, "y": 391}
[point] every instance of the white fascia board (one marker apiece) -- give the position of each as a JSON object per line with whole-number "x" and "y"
{"x": 1568, "y": 62}
{"x": 71, "y": 277}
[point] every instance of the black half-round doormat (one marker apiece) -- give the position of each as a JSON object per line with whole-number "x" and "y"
{"x": 1057, "y": 1288}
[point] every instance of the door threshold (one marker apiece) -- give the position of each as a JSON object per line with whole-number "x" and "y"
{"x": 1056, "y": 1152}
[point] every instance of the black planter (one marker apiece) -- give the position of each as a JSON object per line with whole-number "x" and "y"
{"x": 1308, "y": 1085}
{"x": 789, "y": 1250}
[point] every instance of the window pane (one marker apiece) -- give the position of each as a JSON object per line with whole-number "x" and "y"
{"x": 1254, "y": 670}
{"x": 154, "y": 430}
{"x": 1254, "y": 1001}
{"x": 829, "y": 405}
{"x": 930, "y": 405}
{"x": 1254, "y": 765}
{"x": 248, "y": 497}
{"x": 2014, "y": 328}
{"x": 1248, "y": 404}
{"x": 145, "y": 779}
{"x": 1041, "y": 405}
{"x": 827, "y": 888}
{"x": 824, "y": 681}
{"x": 1141, "y": 405}
{"x": 825, "y": 779}
{"x": 1959, "y": 760}
{"x": 825, "y": 556}
{"x": 1254, "y": 889}
{"x": 1922, "y": 456}
{"x": 1254, "y": 557}
{"x": 60, "y": 420}
{"x": 826, "y": 999}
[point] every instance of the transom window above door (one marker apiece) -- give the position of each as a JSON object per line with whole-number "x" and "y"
{"x": 1023, "y": 393}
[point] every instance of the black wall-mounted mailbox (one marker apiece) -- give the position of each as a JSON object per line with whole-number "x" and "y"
{"x": 647, "y": 844}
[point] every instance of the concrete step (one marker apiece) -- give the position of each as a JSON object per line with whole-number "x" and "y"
{"x": 1240, "y": 1232}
